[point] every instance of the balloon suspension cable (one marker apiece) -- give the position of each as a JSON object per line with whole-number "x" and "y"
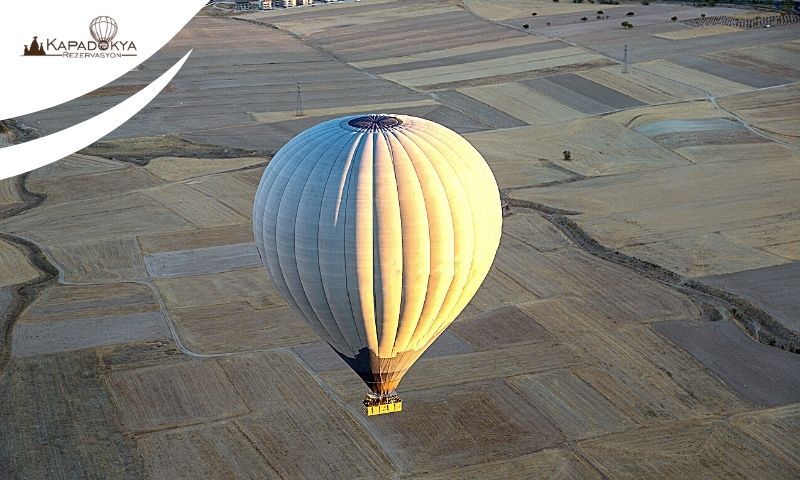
{"x": 378, "y": 404}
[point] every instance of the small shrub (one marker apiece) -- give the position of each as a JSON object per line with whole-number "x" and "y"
{"x": 548, "y": 24}
{"x": 702, "y": 15}
{"x": 599, "y": 12}
{"x": 629, "y": 14}
{"x": 526, "y": 26}
{"x": 674, "y": 19}
{"x": 645, "y": 2}
{"x": 567, "y": 155}
{"x": 583, "y": 19}
{"x": 534, "y": 14}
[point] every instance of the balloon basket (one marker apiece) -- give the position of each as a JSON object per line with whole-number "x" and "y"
{"x": 380, "y": 404}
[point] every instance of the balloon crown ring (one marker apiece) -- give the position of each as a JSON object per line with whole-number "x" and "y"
{"x": 375, "y": 122}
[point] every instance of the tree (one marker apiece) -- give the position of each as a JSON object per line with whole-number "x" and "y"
{"x": 526, "y": 26}
{"x": 583, "y": 19}
{"x": 534, "y": 14}
{"x": 629, "y": 14}
{"x": 674, "y": 19}
{"x": 567, "y": 155}
{"x": 548, "y": 24}
{"x": 599, "y": 12}
{"x": 645, "y": 2}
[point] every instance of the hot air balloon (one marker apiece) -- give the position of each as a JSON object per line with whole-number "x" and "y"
{"x": 378, "y": 230}
{"x": 103, "y": 30}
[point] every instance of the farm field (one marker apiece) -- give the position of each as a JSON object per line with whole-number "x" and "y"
{"x": 639, "y": 320}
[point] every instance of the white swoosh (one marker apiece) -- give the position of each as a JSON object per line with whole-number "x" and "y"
{"x": 18, "y": 159}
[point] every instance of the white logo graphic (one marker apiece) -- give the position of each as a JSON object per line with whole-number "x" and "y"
{"x": 103, "y": 30}
{"x": 41, "y": 74}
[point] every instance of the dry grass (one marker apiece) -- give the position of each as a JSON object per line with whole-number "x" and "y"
{"x": 196, "y": 238}
{"x": 157, "y": 398}
{"x": 174, "y": 169}
{"x": 101, "y": 262}
{"x": 556, "y": 464}
{"x": 571, "y": 404}
{"x": 468, "y": 424}
{"x": 66, "y": 302}
{"x": 14, "y": 265}
{"x": 239, "y": 326}
{"x": 704, "y": 449}
{"x": 248, "y": 285}
{"x": 201, "y": 210}
{"x": 59, "y": 422}
{"x": 215, "y": 450}
{"x": 303, "y": 432}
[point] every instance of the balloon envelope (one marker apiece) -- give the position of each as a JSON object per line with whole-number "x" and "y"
{"x": 378, "y": 229}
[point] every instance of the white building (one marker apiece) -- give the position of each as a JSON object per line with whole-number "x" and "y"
{"x": 291, "y": 3}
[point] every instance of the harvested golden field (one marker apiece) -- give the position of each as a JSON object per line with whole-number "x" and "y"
{"x": 643, "y": 85}
{"x": 773, "y": 112}
{"x": 523, "y": 103}
{"x": 688, "y": 76}
{"x": 522, "y": 8}
{"x": 697, "y": 32}
{"x": 597, "y": 146}
{"x": 492, "y": 68}
{"x": 746, "y": 188}
{"x": 636, "y": 322}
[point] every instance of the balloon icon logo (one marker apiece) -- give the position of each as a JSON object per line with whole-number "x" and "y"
{"x": 378, "y": 230}
{"x": 103, "y": 30}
